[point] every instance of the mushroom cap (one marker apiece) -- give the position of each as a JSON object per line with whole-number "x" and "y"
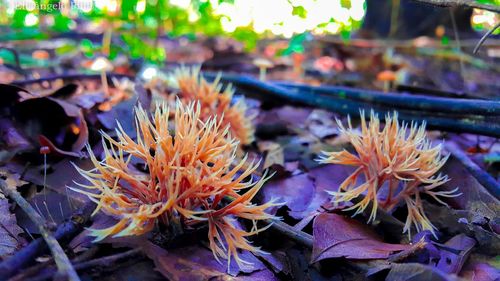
{"x": 40, "y": 55}
{"x": 261, "y": 62}
{"x": 386, "y": 75}
{"x": 298, "y": 57}
{"x": 101, "y": 64}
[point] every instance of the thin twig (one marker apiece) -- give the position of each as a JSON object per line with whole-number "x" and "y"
{"x": 103, "y": 262}
{"x": 64, "y": 233}
{"x": 297, "y": 236}
{"x": 400, "y": 101}
{"x": 459, "y": 47}
{"x": 486, "y": 35}
{"x": 74, "y": 76}
{"x": 350, "y": 101}
{"x": 17, "y": 61}
{"x": 462, "y": 3}
{"x": 63, "y": 264}
{"x": 485, "y": 179}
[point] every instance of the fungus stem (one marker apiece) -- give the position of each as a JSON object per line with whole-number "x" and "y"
{"x": 262, "y": 73}
{"x": 104, "y": 81}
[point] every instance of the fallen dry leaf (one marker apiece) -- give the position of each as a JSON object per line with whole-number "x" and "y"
{"x": 9, "y": 230}
{"x": 337, "y": 236}
{"x": 274, "y": 153}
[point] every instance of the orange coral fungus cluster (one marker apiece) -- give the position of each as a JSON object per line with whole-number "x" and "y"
{"x": 398, "y": 163}
{"x": 192, "y": 86}
{"x": 189, "y": 170}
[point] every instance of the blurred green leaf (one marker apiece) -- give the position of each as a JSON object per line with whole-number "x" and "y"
{"x": 299, "y": 11}
{"x": 345, "y": 3}
{"x": 61, "y": 23}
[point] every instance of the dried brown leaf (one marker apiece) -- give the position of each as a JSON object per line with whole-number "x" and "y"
{"x": 9, "y": 231}
{"x": 337, "y": 236}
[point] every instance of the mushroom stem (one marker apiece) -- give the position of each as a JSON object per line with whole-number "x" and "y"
{"x": 104, "y": 81}
{"x": 262, "y": 73}
{"x": 106, "y": 40}
{"x": 387, "y": 85}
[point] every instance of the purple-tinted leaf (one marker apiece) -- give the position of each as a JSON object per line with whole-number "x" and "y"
{"x": 475, "y": 198}
{"x": 11, "y": 95}
{"x": 66, "y": 91}
{"x": 336, "y": 236}
{"x": 60, "y": 124}
{"x": 416, "y": 272}
{"x": 59, "y": 178}
{"x": 121, "y": 112}
{"x": 196, "y": 263}
{"x": 278, "y": 261}
{"x": 453, "y": 222}
{"x": 452, "y": 261}
{"x": 327, "y": 178}
{"x": 54, "y": 207}
{"x": 429, "y": 254}
{"x": 9, "y": 230}
{"x": 296, "y": 192}
{"x": 482, "y": 272}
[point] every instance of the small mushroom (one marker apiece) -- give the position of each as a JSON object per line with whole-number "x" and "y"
{"x": 102, "y": 65}
{"x": 40, "y": 55}
{"x": 325, "y": 64}
{"x": 298, "y": 60}
{"x": 440, "y": 31}
{"x": 387, "y": 77}
{"x": 263, "y": 65}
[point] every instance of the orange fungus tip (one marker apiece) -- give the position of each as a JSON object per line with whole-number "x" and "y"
{"x": 75, "y": 129}
{"x": 215, "y": 101}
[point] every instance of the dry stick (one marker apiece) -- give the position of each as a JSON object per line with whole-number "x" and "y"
{"x": 485, "y": 179}
{"x": 462, "y": 3}
{"x": 287, "y": 230}
{"x": 74, "y": 76}
{"x": 99, "y": 262}
{"x": 63, "y": 264}
{"x": 32, "y": 271}
{"x": 481, "y": 41}
{"x": 64, "y": 233}
{"x": 459, "y": 47}
{"x": 342, "y": 103}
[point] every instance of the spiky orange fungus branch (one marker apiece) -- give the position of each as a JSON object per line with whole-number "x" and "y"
{"x": 192, "y": 86}
{"x": 190, "y": 168}
{"x": 395, "y": 163}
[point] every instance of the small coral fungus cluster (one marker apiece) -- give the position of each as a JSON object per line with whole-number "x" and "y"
{"x": 395, "y": 163}
{"x": 190, "y": 167}
{"x": 192, "y": 86}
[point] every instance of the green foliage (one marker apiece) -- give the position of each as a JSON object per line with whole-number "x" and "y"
{"x": 247, "y": 36}
{"x": 158, "y": 18}
{"x": 345, "y": 3}
{"x": 18, "y": 18}
{"x": 61, "y": 23}
{"x": 137, "y": 48}
{"x": 299, "y": 11}
{"x": 88, "y": 48}
{"x": 25, "y": 61}
{"x": 491, "y": 2}
{"x": 296, "y": 45}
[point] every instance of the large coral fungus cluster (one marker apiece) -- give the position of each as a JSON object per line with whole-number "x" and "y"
{"x": 394, "y": 163}
{"x": 189, "y": 172}
{"x": 214, "y": 101}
